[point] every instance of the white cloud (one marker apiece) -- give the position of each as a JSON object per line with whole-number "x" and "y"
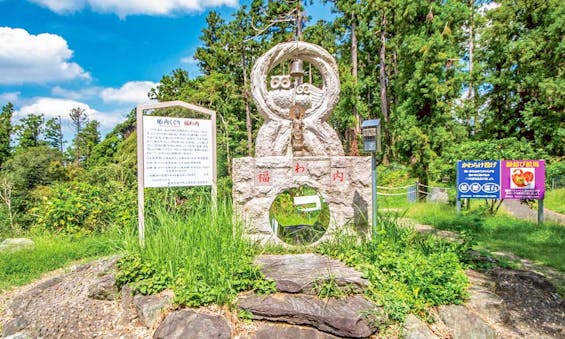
{"x": 53, "y": 107}
{"x": 124, "y": 8}
{"x": 28, "y": 58}
{"x": 134, "y": 92}
{"x": 61, "y": 6}
{"x": 189, "y": 60}
{"x": 80, "y": 94}
{"x": 9, "y": 97}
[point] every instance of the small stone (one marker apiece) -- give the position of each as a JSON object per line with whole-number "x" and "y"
{"x": 127, "y": 297}
{"x": 19, "y": 335}
{"x": 415, "y": 328}
{"x": 103, "y": 288}
{"x": 465, "y": 324}
{"x": 188, "y": 324}
{"x": 14, "y": 326}
{"x": 16, "y": 244}
{"x": 149, "y": 308}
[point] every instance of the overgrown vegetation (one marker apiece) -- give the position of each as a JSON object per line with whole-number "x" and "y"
{"x": 201, "y": 255}
{"x": 408, "y": 272}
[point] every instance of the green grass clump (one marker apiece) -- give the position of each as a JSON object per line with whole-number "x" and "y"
{"x": 543, "y": 244}
{"x": 49, "y": 253}
{"x": 554, "y": 200}
{"x": 201, "y": 255}
{"x": 408, "y": 272}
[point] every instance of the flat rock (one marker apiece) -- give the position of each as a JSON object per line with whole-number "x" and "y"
{"x": 19, "y": 335}
{"x": 483, "y": 300}
{"x": 415, "y": 328}
{"x": 14, "y": 326}
{"x": 188, "y": 324}
{"x": 150, "y": 307}
{"x": 22, "y": 301}
{"x": 346, "y": 317}
{"x": 16, "y": 244}
{"x": 438, "y": 194}
{"x": 465, "y": 324}
{"x": 299, "y": 273}
{"x": 281, "y": 331}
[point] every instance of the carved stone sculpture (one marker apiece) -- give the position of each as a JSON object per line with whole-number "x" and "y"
{"x": 296, "y": 147}
{"x": 299, "y": 147}
{"x": 275, "y": 138}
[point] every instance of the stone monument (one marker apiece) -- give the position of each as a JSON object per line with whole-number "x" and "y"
{"x": 296, "y": 147}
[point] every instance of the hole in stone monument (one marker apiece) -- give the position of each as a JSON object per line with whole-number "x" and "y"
{"x": 299, "y": 216}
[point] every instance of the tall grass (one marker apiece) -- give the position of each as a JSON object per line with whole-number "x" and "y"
{"x": 409, "y": 272}
{"x": 202, "y": 255}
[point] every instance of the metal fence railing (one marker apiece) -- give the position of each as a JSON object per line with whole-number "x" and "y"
{"x": 556, "y": 182}
{"x": 412, "y": 191}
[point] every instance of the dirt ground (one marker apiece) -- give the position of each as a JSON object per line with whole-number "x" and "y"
{"x": 57, "y": 306}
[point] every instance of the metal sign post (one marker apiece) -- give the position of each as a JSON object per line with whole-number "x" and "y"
{"x": 374, "y": 190}
{"x": 174, "y": 152}
{"x": 372, "y": 143}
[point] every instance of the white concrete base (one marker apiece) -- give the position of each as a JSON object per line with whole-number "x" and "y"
{"x": 343, "y": 182}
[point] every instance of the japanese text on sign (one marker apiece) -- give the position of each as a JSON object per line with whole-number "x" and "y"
{"x": 523, "y": 179}
{"x": 177, "y": 152}
{"x": 478, "y": 179}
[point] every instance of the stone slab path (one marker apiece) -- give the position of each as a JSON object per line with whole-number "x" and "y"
{"x": 301, "y": 273}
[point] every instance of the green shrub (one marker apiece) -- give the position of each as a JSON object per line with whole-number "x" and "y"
{"x": 78, "y": 207}
{"x": 555, "y": 174}
{"x": 408, "y": 272}
{"x": 71, "y": 208}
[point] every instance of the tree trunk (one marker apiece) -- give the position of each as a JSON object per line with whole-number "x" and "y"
{"x": 248, "y": 124}
{"x": 383, "y": 85}
{"x": 6, "y": 197}
{"x": 471, "y": 90}
{"x": 227, "y": 141}
{"x": 299, "y": 20}
{"x": 353, "y": 147}
{"x": 60, "y": 141}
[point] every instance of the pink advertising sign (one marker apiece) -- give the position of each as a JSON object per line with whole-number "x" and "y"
{"x": 522, "y": 179}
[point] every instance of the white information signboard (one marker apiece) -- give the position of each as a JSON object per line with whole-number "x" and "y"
{"x": 173, "y": 152}
{"x": 177, "y": 152}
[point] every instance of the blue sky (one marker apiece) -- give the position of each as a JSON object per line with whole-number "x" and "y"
{"x": 101, "y": 55}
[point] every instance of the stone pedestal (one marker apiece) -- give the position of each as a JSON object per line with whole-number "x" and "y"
{"x": 344, "y": 183}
